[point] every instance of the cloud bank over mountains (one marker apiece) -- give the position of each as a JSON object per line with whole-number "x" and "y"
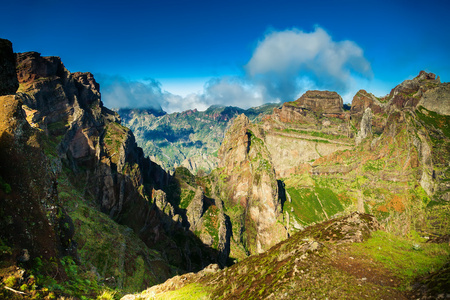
{"x": 285, "y": 59}
{"x": 284, "y": 65}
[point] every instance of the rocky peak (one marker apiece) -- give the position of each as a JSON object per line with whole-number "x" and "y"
{"x": 236, "y": 143}
{"x": 311, "y": 104}
{"x": 251, "y": 184}
{"x": 320, "y": 102}
{"x": 362, "y": 100}
{"x": 31, "y": 66}
{"x": 409, "y": 92}
{"x": 195, "y": 209}
{"x": 8, "y": 78}
{"x": 88, "y": 88}
{"x": 88, "y": 80}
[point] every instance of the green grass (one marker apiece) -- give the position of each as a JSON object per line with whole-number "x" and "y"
{"x": 434, "y": 119}
{"x": 186, "y": 198}
{"x": 192, "y": 291}
{"x": 211, "y": 224}
{"x": 312, "y": 205}
{"x": 406, "y": 258}
{"x": 316, "y": 134}
{"x": 373, "y": 166}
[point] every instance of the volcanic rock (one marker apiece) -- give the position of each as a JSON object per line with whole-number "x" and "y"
{"x": 8, "y": 78}
{"x": 251, "y": 184}
{"x": 320, "y": 102}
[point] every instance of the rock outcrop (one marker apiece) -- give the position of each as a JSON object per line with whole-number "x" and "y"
{"x": 365, "y": 126}
{"x": 33, "y": 224}
{"x": 363, "y": 100}
{"x": 408, "y": 93}
{"x": 309, "y": 106}
{"x": 8, "y": 78}
{"x": 32, "y": 217}
{"x": 320, "y": 102}
{"x": 437, "y": 99}
{"x": 251, "y": 185}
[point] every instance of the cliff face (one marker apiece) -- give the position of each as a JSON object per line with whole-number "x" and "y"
{"x": 33, "y": 223}
{"x": 331, "y": 160}
{"x": 104, "y": 161}
{"x": 32, "y": 218}
{"x": 320, "y": 102}
{"x": 249, "y": 183}
{"x": 304, "y": 130}
{"x": 8, "y": 80}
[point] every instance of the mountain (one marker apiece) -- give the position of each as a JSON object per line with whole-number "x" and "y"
{"x": 85, "y": 214}
{"x": 190, "y": 139}
{"x": 310, "y": 162}
{"x": 81, "y": 205}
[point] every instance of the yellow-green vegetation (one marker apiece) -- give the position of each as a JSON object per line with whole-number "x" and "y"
{"x": 43, "y": 281}
{"x": 115, "y": 136}
{"x": 406, "y": 257}
{"x": 186, "y": 197}
{"x": 259, "y": 155}
{"x": 311, "y": 200}
{"x": 312, "y": 205}
{"x": 110, "y": 250}
{"x": 315, "y": 263}
{"x": 192, "y": 291}
{"x": 317, "y": 134}
{"x": 431, "y": 118}
{"x": 211, "y": 224}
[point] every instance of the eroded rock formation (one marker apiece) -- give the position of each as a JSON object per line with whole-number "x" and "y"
{"x": 251, "y": 184}
{"x": 8, "y": 80}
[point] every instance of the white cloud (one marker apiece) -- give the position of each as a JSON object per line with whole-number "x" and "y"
{"x": 232, "y": 91}
{"x": 118, "y": 92}
{"x": 284, "y": 65}
{"x": 283, "y": 59}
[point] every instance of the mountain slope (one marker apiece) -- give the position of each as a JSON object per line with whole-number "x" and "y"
{"x": 344, "y": 258}
{"x": 190, "y": 139}
{"x": 68, "y": 158}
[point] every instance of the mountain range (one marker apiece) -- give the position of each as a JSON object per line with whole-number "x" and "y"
{"x": 190, "y": 139}
{"x": 306, "y": 199}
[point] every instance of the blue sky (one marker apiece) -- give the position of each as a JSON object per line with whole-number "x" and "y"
{"x": 191, "y": 54}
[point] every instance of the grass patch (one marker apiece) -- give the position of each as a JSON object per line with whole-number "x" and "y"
{"x": 434, "y": 119}
{"x": 406, "y": 258}
{"x": 312, "y": 205}
{"x": 186, "y": 198}
{"x": 192, "y": 291}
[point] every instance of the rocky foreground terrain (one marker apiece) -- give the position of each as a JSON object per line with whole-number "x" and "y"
{"x": 313, "y": 200}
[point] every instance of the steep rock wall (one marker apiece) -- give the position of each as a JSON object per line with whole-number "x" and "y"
{"x": 103, "y": 155}
{"x": 251, "y": 184}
